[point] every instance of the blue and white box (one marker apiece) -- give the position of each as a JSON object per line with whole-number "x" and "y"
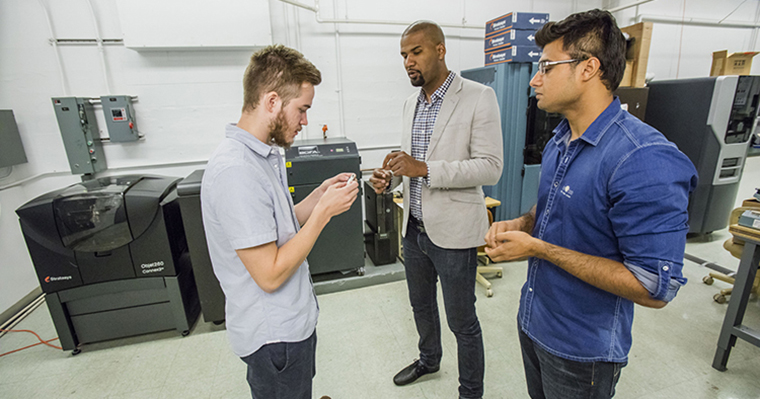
{"x": 516, "y": 20}
{"x": 512, "y": 37}
{"x": 514, "y": 54}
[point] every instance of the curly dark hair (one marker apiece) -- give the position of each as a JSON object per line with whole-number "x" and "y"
{"x": 589, "y": 34}
{"x": 280, "y": 69}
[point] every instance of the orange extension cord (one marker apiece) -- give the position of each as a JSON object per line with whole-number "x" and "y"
{"x": 26, "y": 347}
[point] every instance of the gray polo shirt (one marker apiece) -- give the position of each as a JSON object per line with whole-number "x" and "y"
{"x": 246, "y": 203}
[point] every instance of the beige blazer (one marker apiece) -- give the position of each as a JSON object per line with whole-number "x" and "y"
{"x": 465, "y": 153}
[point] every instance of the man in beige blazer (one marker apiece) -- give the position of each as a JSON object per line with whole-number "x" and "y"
{"x": 451, "y": 146}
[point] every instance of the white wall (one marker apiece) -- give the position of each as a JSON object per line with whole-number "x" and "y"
{"x": 685, "y": 51}
{"x": 186, "y": 97}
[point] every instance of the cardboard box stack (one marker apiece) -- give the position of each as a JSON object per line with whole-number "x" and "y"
{"x": 511, "y": 37}
{"x": 731, "y": 64}
{"x": 637, "y": 56}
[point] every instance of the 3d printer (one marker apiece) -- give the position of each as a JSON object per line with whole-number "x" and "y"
{"x": 111, "y": 255}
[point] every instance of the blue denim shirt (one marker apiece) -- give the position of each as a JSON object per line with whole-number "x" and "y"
{"x": 620, "y": 192}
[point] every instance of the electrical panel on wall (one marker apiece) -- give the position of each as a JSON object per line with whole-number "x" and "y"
{"x": 81, "y": 137}
{"x": 11, "y": 148}
{"x": 120, "y": 118}
{"x": 194, "y": 24}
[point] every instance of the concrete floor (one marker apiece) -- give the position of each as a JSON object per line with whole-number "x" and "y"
{"x": 365, "y": 335}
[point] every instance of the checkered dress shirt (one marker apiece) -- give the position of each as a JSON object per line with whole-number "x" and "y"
{"x": 424, "y": 120}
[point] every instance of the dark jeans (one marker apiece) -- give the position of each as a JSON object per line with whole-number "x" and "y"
{"x": 552, "y": 377}
{"x": 425, "y": 263}
{"x": 283, "y": 370}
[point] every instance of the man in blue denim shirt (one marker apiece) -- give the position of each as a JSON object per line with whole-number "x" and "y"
{"x": 609, "y": 229}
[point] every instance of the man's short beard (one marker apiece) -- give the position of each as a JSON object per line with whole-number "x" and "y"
{"x": 419, "y": 82}
{"x": 277, "y": 133}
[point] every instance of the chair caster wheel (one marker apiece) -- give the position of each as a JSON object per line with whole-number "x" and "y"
{"x": 218, "y": 322}
{"x": 76, "y": 351}
{"x": 185, "y": 333}
{"x": 489, "y": 293}
{"x": 719, "y": 298}
{"x": 499, "y": 274}
{"x": 360, "y": 271}
{"x": 708, "y": 280}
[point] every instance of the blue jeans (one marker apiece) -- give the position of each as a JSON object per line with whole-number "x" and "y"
{"x": 552, "y": 377}
{"x": 425, "y": 263}
{"x": 283, "y": 370}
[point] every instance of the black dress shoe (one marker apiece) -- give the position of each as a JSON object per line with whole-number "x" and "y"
{"x": 412, "y": 372}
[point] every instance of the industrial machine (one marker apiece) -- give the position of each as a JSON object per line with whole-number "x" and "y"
{"x": 111, "y": 256}
{"x": 518, "y": 187}
{"x": 541, "y": 124}
{"x": 539, "y": 131}
{"x": 340, "y": 247}
{"x": 209, "y": 291}
{"x": 711, "y": 120}
{"x": 634, "y": 100}
{"x": 381, "y": 241}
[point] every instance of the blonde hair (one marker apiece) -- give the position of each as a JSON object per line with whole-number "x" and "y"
{"x": 279, "y": 69}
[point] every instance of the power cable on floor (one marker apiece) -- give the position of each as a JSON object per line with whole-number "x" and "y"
{"x": 32, "y": 345}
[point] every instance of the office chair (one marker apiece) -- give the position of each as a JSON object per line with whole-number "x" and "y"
{"x": 734, "y": 246}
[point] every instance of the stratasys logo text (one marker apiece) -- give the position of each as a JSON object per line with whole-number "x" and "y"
{"x": 49, "y": 279}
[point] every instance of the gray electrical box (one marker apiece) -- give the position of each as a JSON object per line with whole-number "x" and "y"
{"x": 81, "y": 137}
{"x": 120, "y": 118}
{"x": 11, "y": 149}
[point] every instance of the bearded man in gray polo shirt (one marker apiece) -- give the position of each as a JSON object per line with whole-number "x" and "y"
{"x": 258, "y": 240}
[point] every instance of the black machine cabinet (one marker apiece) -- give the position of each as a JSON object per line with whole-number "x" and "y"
{"x": 336, "y": 248}
{"x": 711, "y": 120}
{"x": 541, "y": 124}
{"x": 634, "y": 100}
{"x": 382, "y": 240}
{"x": 209, "y": 291}
{"x": 111, "y": 255}
{"x": 539, "y": 130}
{"x": 309, "y": 162}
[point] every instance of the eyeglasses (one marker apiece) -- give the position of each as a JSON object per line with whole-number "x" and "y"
{"x": 542, "y": 65}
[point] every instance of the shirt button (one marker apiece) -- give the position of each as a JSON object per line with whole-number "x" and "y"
{"x": 556, "y": 183}
{"x": 665, "y": 268}
{"x": 530, "y": 289}
{"x": 546, "y": 212}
